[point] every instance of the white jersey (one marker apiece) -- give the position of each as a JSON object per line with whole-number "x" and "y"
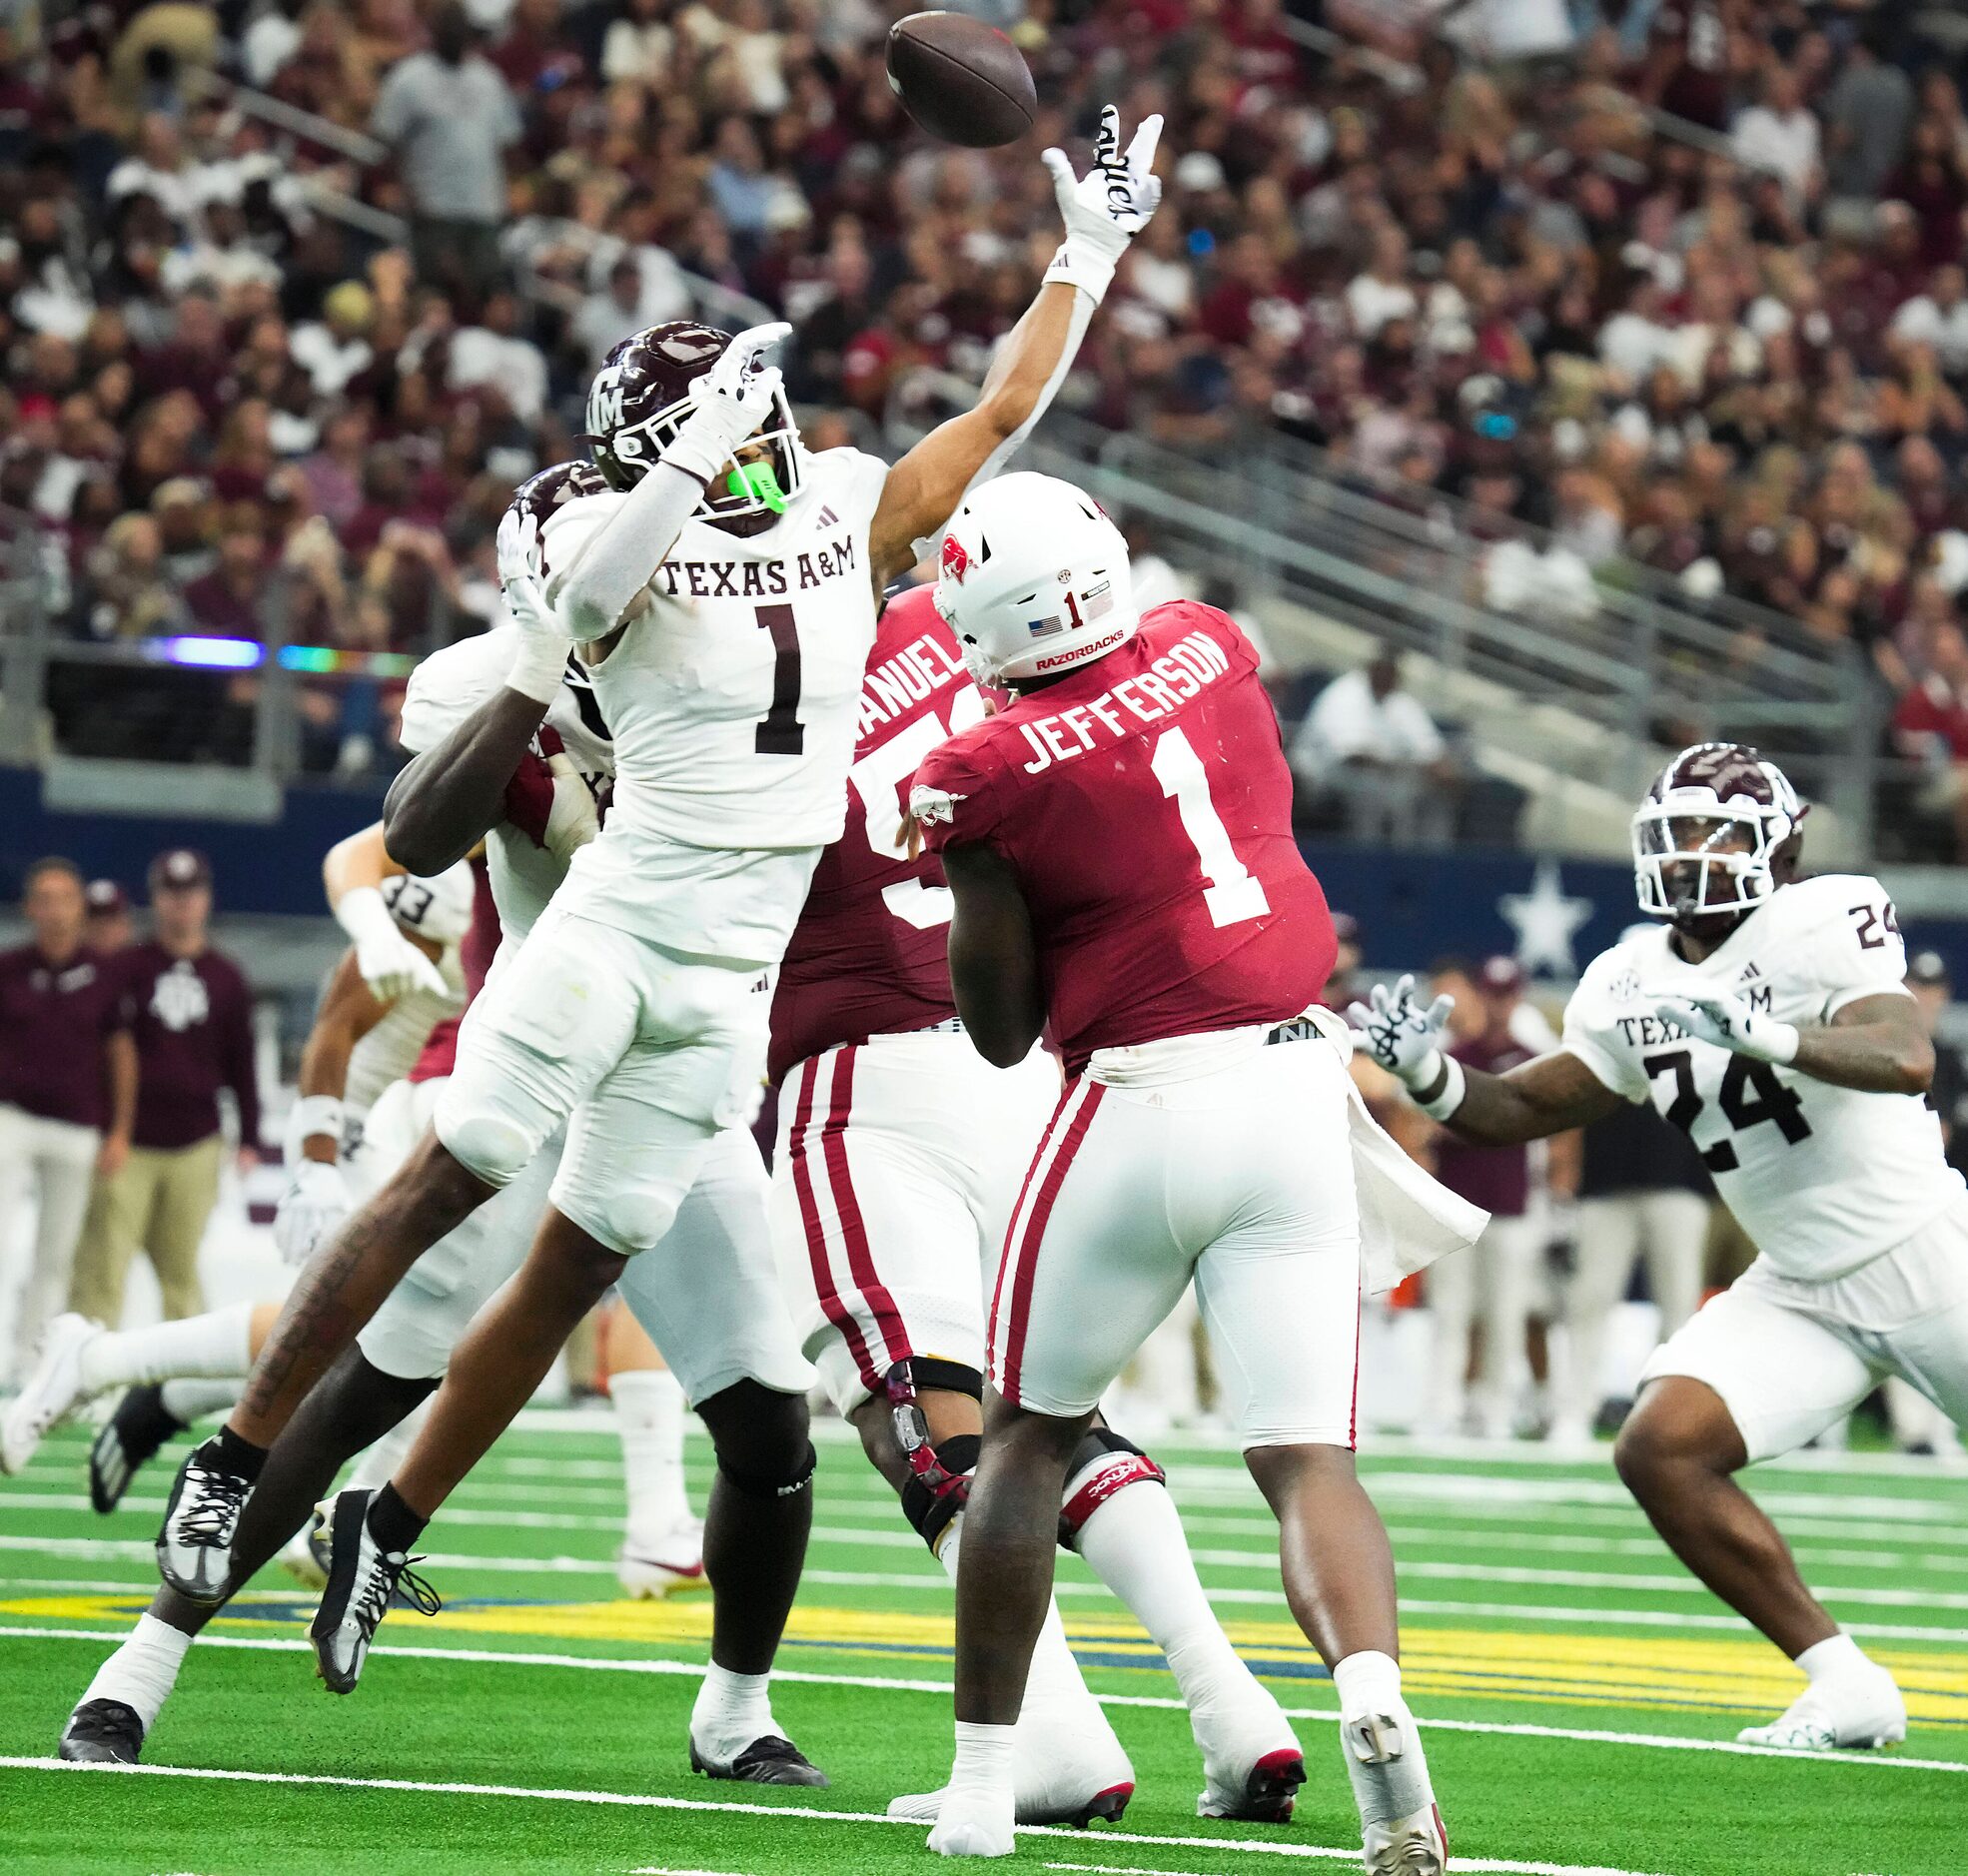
{"x": 444, "y": 690}
{"x": 732, "y": 698}
{"x": 1821, "y": 1177}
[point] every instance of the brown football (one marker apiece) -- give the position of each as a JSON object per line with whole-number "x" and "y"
{"x": 961, "y": 80}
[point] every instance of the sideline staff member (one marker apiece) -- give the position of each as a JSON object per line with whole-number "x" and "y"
{"x": 191, "y": 1012}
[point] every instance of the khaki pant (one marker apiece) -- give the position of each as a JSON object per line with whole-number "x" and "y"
{"x": 157, "y": 1203}
{"x": 50, "y": 1164}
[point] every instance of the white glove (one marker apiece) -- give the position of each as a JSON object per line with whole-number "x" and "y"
{"x": 540, "y": 659}
{"x": 1725, "y": 1019}
{"x": 1401, "y": 1036}
{"x": 390, "y": 964}
{"x": 310, "y": 1209}
{"x": 1106, "y": 208}
{"x": 574, "y": 819}
{"x": 733, "y": 397}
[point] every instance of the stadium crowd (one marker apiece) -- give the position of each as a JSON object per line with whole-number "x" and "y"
{"x": 1461, "y": 256}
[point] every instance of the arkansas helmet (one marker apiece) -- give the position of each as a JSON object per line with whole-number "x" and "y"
{"x": 645, "y": 390}
{"x": 1034, "y": 578}
{"x": 1715, "y": 829}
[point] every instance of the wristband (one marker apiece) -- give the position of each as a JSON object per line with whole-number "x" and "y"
{"x": 362, "y": 914}
{"x": 309, "y": 1116}
{"x": 540, "y": 663}
{"x": 1780, "y": 1041}
{"x": 1091, "y": 273}
{"x": 1453, "y": 1088}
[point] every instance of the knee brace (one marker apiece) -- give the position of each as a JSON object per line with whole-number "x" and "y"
{"x": 938, "y": 1486}
{"x": 1103, "y": 1464}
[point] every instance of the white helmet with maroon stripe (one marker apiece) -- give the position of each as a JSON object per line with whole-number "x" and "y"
{"x": 1716, "y": 829}
{"x": 1034, "y": 579}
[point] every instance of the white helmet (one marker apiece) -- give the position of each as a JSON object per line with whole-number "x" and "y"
{"x": 437, "y": 908}
{"x": 1034, "y": 579}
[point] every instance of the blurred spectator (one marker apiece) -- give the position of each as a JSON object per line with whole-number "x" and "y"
{"x": 1870, "y": 112}
{"x": 191, "y": 1012}
{"x": 107, "y": 928}
{"x": 1930, "y": 727}
{"x": 451, "y": 118}
{"x": 1490, "y": 1282}
{"x": 1371, "y": 747}
{"x": 68, "y": 1093}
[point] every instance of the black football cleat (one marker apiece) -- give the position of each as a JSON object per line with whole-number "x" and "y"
{"x": 363, "y": 1583}
{"x": 769, "y": 1760}
{"x": 103, "y": 1732}
{"x": 128, "y": 1442}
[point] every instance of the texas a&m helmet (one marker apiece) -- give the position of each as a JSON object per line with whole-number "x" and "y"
{"x": 643, "y": 393}
{"x": 1716, "y": 832}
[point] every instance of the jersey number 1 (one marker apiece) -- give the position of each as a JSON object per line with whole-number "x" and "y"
{"x": 1234, "y": 893}
{"x": 781, "y": 732}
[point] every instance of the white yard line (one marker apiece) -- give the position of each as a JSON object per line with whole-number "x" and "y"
{"x": 887, "y": 1683}
{"x": 1220, "y": 1846}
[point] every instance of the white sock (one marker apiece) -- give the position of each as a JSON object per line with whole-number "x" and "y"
{"x": 189, "y": 1400}
{"x": 1134, "y": 1545}
{"x": 378, "y": 1465}
{"x": 141, "y": 1672}
{"x": 1836, "y": 1659}
{"x": 983, "y": 1759}
{"x": 730, "y": 1712}
{"x": 1368, "y": 1684}
{"x": 649, "y": 1416}
{"x": 216, "y": 1344}
{"x": 1053, "y": 1682}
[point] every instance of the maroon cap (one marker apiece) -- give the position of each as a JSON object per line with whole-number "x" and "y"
{"x": 104, "y": 897}
{"x": 1500, "y": 976}
{"x": 179, "y": 867}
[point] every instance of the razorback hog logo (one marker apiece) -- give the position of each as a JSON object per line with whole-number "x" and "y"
{"x": 956, "y": 563}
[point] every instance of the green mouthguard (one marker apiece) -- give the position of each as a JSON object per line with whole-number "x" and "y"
{"x": 757, "y": 481}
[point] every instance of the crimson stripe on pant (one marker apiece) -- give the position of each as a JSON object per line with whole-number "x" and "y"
{"x": 853, "y": 1229}
{"x": 835, "y": 1311}
{"x": 1084, "y": 1109}
{"x": 1006, "y": 1255}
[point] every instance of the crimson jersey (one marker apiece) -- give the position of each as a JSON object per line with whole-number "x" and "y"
{"x": 1146, "y": 806}
{"x": 868, "y": 957}
{"x": 474, "y": 956}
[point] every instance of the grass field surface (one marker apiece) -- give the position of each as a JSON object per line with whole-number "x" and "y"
{"x": 1579, "y": 1693}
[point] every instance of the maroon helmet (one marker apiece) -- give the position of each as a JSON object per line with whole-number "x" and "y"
{"x": 645, "y": 390}
{"x": 1707, "y": 838}
{"x": 539, "y": 497}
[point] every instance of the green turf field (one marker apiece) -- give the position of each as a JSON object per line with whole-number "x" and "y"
{"x": 1578, "y": 1690}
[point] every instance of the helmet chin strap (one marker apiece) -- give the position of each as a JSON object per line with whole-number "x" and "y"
{"x": 757, "y": 481}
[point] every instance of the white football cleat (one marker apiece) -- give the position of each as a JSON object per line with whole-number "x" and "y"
{"x": 1406, "y": 1846}
{"x": 1064, "y": 1770}
{"x": 649, "y": 1571}
{"x": 1863, "y": 1713}
{"x": 1253, "y": 1765}
{"x": 50, "y": 1394}
{"x": 974, "y": 1824}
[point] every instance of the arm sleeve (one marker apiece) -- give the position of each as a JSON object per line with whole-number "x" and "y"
{"x": 240, "y": 1071}
{"x": 954, "y": 797}
{"x": 1593, "y": 1034}
{"x": 1856, "y": 949}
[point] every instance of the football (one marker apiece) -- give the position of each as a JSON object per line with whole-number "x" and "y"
{"x": 960, "y": 80}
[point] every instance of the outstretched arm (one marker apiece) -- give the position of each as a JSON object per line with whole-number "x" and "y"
{"x": 448, "y": 798}
{"x": 1876, "y": 1044}
{"x": 1549, "y": 1096}
{"x": 994, "y": 960}
{"x": 1103, "y": 211}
